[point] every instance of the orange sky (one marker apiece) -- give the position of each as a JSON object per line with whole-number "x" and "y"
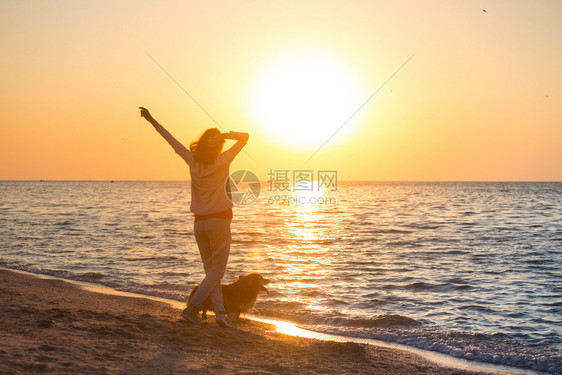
{"x": 480, "y": 100}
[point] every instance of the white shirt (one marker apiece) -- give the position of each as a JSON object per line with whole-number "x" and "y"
{"x": 208, "y": 181}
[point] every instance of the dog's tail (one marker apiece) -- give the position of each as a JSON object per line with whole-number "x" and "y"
{"x": 191, "y": 295}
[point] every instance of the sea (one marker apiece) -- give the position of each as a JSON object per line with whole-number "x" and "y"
{"x": 469, "y": 269}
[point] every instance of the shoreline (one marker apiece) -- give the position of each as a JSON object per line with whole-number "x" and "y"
{"x": 52, "y": 325}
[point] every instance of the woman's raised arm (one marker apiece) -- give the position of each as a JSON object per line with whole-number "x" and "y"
{"x": 237, "y": 136}
{"x": 180, "y": 149}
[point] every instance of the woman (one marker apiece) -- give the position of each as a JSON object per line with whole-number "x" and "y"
{"x": 208, "y": 167}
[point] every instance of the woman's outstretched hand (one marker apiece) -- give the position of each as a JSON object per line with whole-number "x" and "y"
{"x": 144, "y": 113}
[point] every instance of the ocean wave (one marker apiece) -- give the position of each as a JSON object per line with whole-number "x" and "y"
{"x": 495, "y": 349}
{"x": 382, "y": 321}
{"x": 424, "y": 226}
{"x": 404, "y": 243}
{"x": 390, "y": 231}
{"x": 63, "y": 274}
{"x": 94, "y": 276}
{"x": 64, "y": 223}
{"x": 172, "y": 259}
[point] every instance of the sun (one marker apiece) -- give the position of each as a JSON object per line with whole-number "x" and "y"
{"x": 301, "y": 99}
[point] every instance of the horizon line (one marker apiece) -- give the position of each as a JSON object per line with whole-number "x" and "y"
{"x": 377, "y": 181}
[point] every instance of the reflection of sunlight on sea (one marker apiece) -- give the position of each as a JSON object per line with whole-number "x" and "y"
{"x": 305, "y": 219}
{"x": 304, "y": 225}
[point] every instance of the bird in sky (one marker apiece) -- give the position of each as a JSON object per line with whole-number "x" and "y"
{"x": 484, "y": 10}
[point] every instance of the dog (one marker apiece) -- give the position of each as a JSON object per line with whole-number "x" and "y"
{"x": 239, "y": 297}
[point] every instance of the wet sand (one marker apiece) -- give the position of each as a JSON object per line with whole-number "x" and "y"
{"x": 52, "y": 326}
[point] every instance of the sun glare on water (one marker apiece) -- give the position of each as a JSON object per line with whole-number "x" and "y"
{"x": 306, "y": 209}
{"x": 302, "y": 99}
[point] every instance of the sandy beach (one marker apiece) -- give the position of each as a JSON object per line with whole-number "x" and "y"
{"x": 53, "y": 326}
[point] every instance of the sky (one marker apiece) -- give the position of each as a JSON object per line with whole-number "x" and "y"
{"x": 378, "y": 91}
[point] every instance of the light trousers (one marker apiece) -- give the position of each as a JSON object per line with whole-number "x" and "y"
{"x": 213, "y": 239}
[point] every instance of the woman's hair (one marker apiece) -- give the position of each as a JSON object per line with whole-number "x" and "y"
{"x": 202, "y": 152}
